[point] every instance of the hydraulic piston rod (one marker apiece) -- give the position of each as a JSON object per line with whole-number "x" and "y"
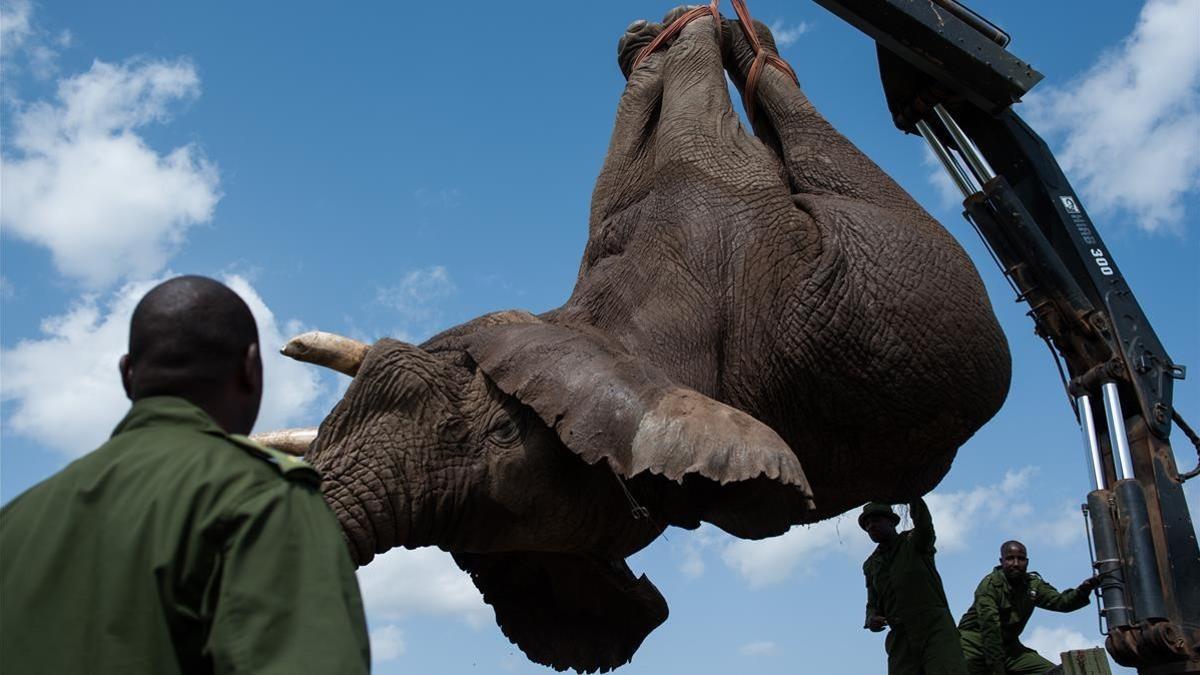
{"x": 966, "y": 147}
{"x": 1087, "y": 424}
{"x": 947, "y": 160}
{"x": 1116, "y": 431}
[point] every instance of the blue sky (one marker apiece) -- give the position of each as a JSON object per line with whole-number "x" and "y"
{"x": 396, "y": 169}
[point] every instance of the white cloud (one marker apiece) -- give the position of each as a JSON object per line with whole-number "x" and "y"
{"x": 784, "y": 36}
{"x": 387, "y": 643}
{"x": 289, "y": 387}
{"x": 426, "y": 581}
{"x": 1004, "y": 511}
{"x": 760, "y": 648}
{"x": 769, "y": 561}
{"x": 1130, "y": 126}
{"x": 65, "y": 384}
{"x": 1062, "y": 527}
{"x": 88, "y": 188}
{"x": 1052, "y": 642}
{"x": 416, "y": 300}
{"x": 956, "y": 516}
{"x": 693, "y": 563}
{"x": 24, "y": 44}
{"x": 15, "y": 25}
{"x": 692, "y": 546}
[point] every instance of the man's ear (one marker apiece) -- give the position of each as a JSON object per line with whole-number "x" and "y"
{"x": 252, "y": 368}
{"x": 126, "y": 375}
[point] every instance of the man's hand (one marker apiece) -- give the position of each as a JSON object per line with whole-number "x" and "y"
{"x": 1089, "y": 584}
{"x": 876, "y": 623}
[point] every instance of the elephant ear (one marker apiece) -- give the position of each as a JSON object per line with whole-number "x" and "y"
{"x": 567, "y": 610}
{"x": 721, "y": 464}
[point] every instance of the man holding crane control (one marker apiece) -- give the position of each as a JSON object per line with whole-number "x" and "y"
{"x": 1004, "y": 601}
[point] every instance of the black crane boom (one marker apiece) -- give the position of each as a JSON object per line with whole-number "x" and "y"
{"x": 948, "y": 76}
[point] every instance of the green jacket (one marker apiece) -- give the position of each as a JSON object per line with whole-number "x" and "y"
{"x": 903, "y": 584}
{"x": 177, "y": 548}
{"x": 1001, "y": 610}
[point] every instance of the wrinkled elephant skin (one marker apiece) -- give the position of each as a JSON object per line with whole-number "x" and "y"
{"x": 766, "y": 330}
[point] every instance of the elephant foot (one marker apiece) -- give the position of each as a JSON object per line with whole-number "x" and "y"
{"x": 639, "y": 34}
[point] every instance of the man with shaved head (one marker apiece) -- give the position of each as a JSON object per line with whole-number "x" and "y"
{"x": 180, "y": 546}
{"x": 1004, "y": 601}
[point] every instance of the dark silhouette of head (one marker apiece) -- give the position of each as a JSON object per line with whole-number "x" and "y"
{"x": 879, "y": 521}
{"x": 194, "y": 338}
{"x": 1013, "y": 560}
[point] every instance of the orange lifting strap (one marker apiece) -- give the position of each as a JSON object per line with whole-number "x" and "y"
{"x": 761, "y": 57}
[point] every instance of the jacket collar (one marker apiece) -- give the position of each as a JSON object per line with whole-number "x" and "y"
{"x": 156, "y": 411}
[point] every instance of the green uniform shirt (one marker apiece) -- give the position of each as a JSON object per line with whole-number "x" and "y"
{"x": 1001, "y": 610}
{"x": 902, "y": 582}
{"x": 177, "y": 548}
{"x": 904, "y": 586}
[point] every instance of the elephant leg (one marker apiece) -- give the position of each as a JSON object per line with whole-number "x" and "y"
{"x": 818, "y": 159}
{"x": 695, "y": 98}
{"x": 698, "y": 122}
{"x": 924, "y": 353}
{"x": 626, "y": 178}
{"x": 675, "y": 109}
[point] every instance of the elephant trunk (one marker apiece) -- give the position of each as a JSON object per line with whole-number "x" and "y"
{"x": 375, "y": 515}
{"x": 380, "y": 507}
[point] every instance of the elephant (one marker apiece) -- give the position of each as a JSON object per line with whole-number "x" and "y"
{"x": 765, "y": 330}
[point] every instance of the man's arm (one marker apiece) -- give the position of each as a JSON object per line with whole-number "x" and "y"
{"x": 874, "y": 622}
{"x": 922, "y": 533}
{"x": 1049, "y": 597}
{"x": 987, "y": 611}
{"x": 287, "y": 600}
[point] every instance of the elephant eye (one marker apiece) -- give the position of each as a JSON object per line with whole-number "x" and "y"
{"x": 506, "y": 432}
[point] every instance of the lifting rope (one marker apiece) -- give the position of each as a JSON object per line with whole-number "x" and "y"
{"x": 746, "y": 22}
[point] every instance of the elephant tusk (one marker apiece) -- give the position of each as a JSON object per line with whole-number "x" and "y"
{"x": 291, "y": 441}
{"x": 326, "y": 349}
